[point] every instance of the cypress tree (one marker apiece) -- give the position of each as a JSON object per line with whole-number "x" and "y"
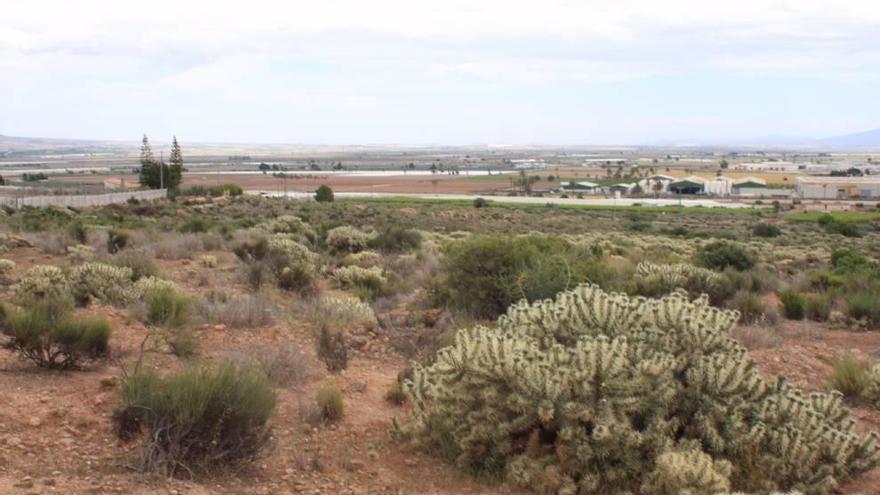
{"x": 175, "y": 172}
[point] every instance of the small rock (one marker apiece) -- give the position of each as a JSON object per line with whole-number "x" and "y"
{"x": 360, "y": 386}
{"x": 25, "y": 482}
{"x": 34, "y": 422}
{"x": 220, "y": 327}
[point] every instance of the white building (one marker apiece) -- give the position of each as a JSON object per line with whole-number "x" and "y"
{"x": 813, "y": 187}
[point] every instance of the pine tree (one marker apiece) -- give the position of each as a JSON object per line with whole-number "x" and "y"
{"x": 175, "y": 171}
{"x": 149, "y": 167}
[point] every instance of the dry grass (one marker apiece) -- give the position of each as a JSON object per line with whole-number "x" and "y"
{"x": 757, "y": 337}
{"x": 239, "y": 311}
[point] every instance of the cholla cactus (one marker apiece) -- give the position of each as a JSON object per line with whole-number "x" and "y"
{"x": 613, "y": 393}
{"x": 656, "y": 280}
{"x": 6, "y": 266}
{"x": 103, "y": 283}
{"x": 363, "y": 259}
{"x": 347, "y": 239}
{"x": 208, "y": 261}
{"x": 352, "y": 276}
{"x": 294, "y": 251}
{"x": 148, "y": 284}
{"x": 872, "y": 392}
{"x": 42, "y": 282}
{"x": 81, "y": 252}
{"x": 347, "y": 310}
{"x": 290, "y": 224}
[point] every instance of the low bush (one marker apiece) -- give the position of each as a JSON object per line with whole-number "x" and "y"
{"x": 339, "y": 312}
{"x": 393, "y": 238}
{"x": 484, "y": 274}
{"x": 480, "y": 203}
{"x": 117, "y": 240}
{"x": 751, "y": 308}
{"x": 653, "y": 280}
{"x": 846, "y": 261}
{"x": 849, "y": 377}
{"x": 139, "y": 262}
{"x": 166, "y": 307}
{"x": 371, "y": 280}
{"x": 331, "y": 350}
{"x": 864, "y": 305}
{"x": 793, "y": 304}
{"x": 241, "y": 311}
{"x": 766, "y": 230}
{"x": 284, "y": 364}
{"x": 363, "y": 259}
{"x": 330, "y": 404}
{"x": 6, "y": 266}
{"x": 46, "y": 334}
{"x": 719, "y": 255}
{"x": 196, "y": 420}
{"x": 817, "y": 306}
{"x": 347, "y": 239}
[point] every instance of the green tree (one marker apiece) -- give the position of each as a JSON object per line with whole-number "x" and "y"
{"x": 175, "y": 171}
{"x": 324, "y": 194}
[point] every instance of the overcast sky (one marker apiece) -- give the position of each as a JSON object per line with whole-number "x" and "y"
{"x": 449, "y": 72}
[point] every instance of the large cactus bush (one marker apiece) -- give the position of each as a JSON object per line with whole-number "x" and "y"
{"x": 653, "y": 280}
{"x": 100, "y": 282}
{"x": 597, "y": 392}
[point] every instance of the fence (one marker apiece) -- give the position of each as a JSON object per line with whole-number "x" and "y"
{"x": 82, "y": 200}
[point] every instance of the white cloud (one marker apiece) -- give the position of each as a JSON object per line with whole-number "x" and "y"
{"x": 336, "y": 56}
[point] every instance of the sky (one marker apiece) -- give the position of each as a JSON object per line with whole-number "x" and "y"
{"x": 439, "y": 72}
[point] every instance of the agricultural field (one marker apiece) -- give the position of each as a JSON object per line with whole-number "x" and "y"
{"x": 244, "y": 344}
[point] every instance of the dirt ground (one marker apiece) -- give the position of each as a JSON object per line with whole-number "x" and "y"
{"x": 55, "y": 430}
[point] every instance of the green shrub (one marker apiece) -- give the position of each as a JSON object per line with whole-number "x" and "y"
{"x": 849, "y": 376}
{"x": 847, "y": 261}
{"x": 480, "y": 203}
{"x": 824, "y": 280}
{"x": 117, "y": 240}
{"x": 330, "y": 404}
{"x": 198, "y": 419}
{"x": 766, "y": 230}
{"x": 324, "y": 194}
{"x": 751, "y": 307}
{"x": 370, "y": 281}
{"x": 604, "y": 393}
{"x": 195, "y": 225}
{"x": 167, "y": 307}
{"x": 864, "y": 305}
{"x": 818, "y": 306}
{"x": 140, "y": 264}
{"x": 392, "y": 238}
{"x": 793, "y": 304}
{"x": 51, "y": 338}
{"x": 484, "y": 274}
{"x": 719, "y": 255}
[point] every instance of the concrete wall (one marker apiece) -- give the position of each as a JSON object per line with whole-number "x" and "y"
{"x": 82, "y": 200}
{"x": 853, "y": 190}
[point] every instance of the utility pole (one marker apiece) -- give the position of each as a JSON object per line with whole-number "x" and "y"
{"x": 161, "y": 171}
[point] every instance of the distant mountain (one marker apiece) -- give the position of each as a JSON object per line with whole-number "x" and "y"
{"x": 866, "y": 139}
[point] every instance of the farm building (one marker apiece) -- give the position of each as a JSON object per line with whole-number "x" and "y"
{"x": 582, "y": 186}
{"x": 656, "y": 183}
{"x": 688, "y": 185}
{"x": 718, "y": 186}
{"x": 621, "y": 188}
{"x": 838, "y": 187}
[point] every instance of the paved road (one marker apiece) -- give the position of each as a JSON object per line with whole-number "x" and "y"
{"x": 711, "y": 203}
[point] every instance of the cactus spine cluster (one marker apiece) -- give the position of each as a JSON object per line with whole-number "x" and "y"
{"x": 597, "y": 391}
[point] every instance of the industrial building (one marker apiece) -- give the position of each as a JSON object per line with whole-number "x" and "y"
{"x": 838, "y": 187}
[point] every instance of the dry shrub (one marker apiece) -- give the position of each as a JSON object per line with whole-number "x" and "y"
{"x": 239, "y": 311}
{"x": 174, "y": 246}
{"x": 757, "y": 337}
{"x": 285, "y": 364}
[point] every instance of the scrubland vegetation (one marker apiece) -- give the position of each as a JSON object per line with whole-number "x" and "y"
{"x": 554, "y": 350}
